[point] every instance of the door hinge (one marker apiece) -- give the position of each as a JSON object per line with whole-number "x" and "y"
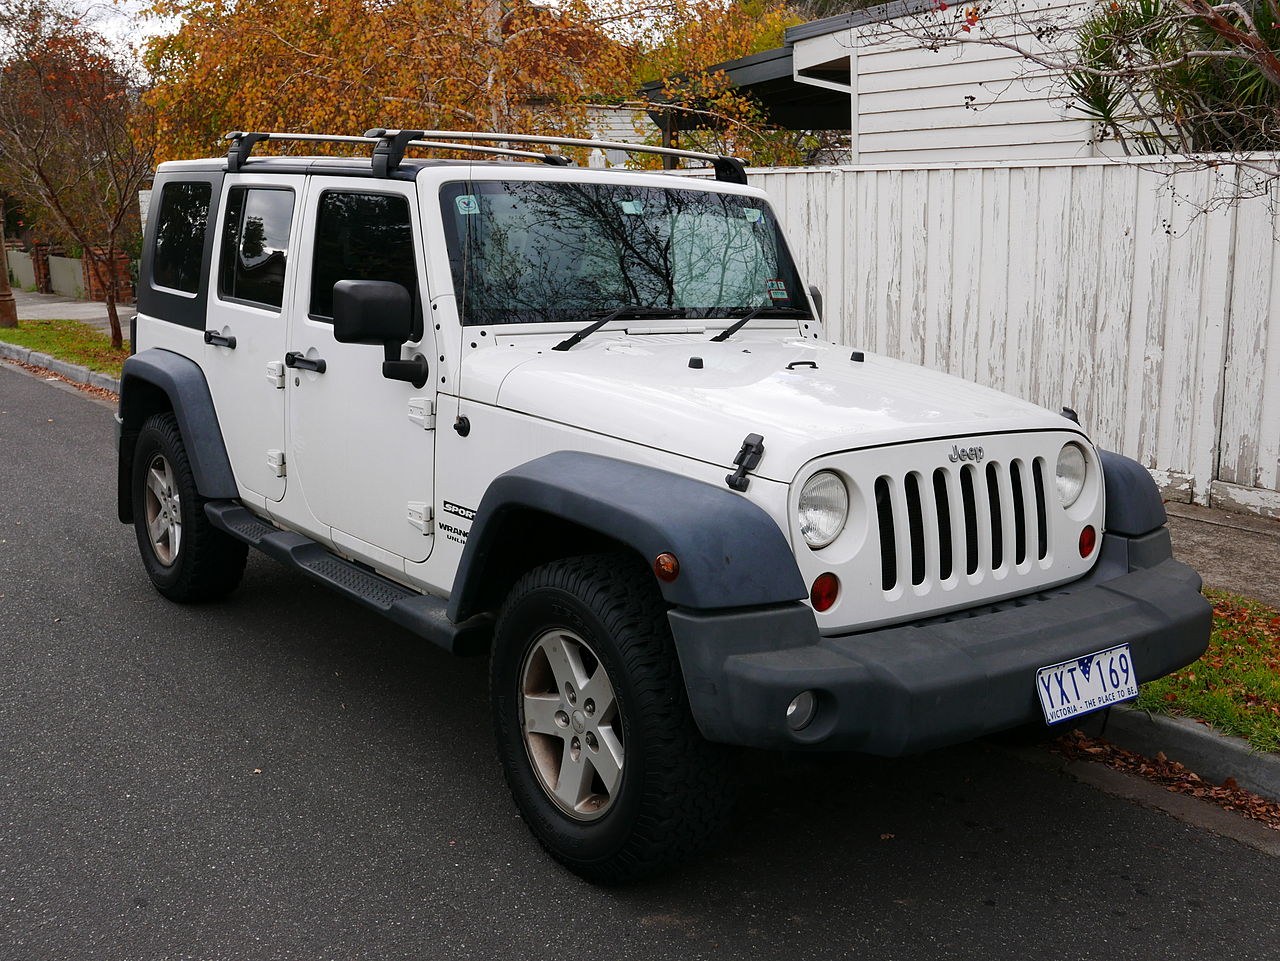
{"x": 422, "y": 411}
{"x": 275, "y": 374}
{"x": 420, "y": 517}
{"x": 275, "y": 461}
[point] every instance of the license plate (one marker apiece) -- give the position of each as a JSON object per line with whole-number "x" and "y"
{"x": 1086, "y": 684}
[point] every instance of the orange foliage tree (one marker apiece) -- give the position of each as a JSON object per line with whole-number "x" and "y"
{"x": 347, "y": 65}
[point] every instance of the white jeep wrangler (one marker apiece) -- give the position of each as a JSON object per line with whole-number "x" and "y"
{"x": 586, "y": 421}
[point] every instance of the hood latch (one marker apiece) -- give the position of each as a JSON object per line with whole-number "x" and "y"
{"x": 747, "y": 459}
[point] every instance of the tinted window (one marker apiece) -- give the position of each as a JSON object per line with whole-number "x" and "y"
{"x": 184, "y": 211}
{"x": 523, "y": 252}
{"x": 361, "y": 237}
{"x": 255, "y": 242}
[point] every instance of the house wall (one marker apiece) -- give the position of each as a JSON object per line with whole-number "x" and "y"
{"x": 624, "y": 124}
{"x": 1095, "y": 284}
{"x": 966, "y": 101}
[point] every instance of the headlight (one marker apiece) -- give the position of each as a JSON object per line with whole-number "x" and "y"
{"x": 824, "y": 507}
{"x": 1072, "y": 468}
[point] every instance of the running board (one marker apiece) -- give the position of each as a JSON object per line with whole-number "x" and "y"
{"x": 423, "y": 614}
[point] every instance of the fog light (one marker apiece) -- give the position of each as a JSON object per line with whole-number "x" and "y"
{"x": 1088, "y": 540}
{"x": 801, "y": 710}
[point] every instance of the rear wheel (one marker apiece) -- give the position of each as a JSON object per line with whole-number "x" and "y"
{"x": 593, "y": 726}
{"x": 186, "y": 557}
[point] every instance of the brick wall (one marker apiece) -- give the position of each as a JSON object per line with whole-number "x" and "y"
{"x": 97, "y": 275}
{"x": 40, "y": 267}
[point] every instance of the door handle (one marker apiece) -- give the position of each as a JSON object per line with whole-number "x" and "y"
{"x": 295, "y": 359}
{"x": 219, "y": 340}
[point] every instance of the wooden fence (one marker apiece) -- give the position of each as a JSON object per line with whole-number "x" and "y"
{"x": 1097, "y": 284}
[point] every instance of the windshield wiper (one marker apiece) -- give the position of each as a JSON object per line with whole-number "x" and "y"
{"x": 626, "y": 310}
{"x": 765, "y": 310}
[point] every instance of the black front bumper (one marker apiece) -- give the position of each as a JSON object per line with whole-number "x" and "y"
{"x": 913, "y": 687}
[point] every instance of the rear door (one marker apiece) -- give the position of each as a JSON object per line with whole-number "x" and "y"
{"x": 361, "y": 446}
{"x": 253, "y": 276}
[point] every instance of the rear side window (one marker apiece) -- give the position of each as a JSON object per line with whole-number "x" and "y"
{"x": 255, "y": 245}
{"x": 184, "y": 212}
{"x": 361, "y": 237}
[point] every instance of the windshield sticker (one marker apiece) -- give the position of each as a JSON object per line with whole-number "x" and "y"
{"x": 631, "y": 206}
{"x": 467, "y": 204}
{"x": 777, "y": 289}
{"x": 754, "y": 215}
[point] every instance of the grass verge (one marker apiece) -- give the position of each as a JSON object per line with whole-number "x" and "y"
{"x": 1236, "y": 685}
{"x": 68, "y": 340}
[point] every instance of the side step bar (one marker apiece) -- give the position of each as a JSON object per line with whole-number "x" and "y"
{"x": 423, "y": 614}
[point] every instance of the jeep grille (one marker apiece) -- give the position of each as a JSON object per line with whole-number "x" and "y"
{"x": 929, "y": 534}
{"x": 960, "y": 518}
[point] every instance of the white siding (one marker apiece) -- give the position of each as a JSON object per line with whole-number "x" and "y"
{"x": 1093, "y": 284}
{"x": 963, "y": 101}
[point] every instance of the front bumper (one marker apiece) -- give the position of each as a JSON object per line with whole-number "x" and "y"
{"x": 913, "y": 687}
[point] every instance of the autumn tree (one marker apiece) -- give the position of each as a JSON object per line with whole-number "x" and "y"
{"x": 73, "y": 142}
{"x": 347, "y": 65}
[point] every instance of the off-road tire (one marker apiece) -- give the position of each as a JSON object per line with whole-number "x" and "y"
{"x": 675, "y": 790}
{"x": 207, "y": 563}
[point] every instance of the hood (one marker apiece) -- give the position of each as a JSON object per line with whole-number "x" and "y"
{"x": 806, "y": 398}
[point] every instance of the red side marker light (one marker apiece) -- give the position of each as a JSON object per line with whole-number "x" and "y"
{"x": 825, "y": 590}
{"x": 1088, "y": 540}
{"x": 666, "y": 567}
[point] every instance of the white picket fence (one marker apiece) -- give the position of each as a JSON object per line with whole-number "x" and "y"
{"x": 1096, "y": 284}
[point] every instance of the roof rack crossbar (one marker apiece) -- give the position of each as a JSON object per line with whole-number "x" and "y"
{"x": 389, "y": 147}
{"x": 729, "y": 169}
{"x": 242, "y": 145}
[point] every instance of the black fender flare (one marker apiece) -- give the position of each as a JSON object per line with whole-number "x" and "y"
{"x": 182, "y": 382}
{"x": 1133, "y": 503}
{"x": 731, "y": 553}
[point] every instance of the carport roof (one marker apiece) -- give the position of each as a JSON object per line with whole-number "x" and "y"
{"x": 767, "y": 76}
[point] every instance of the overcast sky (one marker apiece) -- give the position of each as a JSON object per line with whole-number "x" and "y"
{"x": 121, "y": 21}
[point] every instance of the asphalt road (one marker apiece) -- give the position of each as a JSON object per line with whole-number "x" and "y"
{"x": 285, "y": 776}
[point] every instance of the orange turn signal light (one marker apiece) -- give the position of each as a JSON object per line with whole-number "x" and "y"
{"x": 666, "y": 567}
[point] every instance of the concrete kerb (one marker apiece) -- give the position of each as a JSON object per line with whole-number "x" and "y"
{"x": 1212, "y": 755}
{"x": 75, "y": 373}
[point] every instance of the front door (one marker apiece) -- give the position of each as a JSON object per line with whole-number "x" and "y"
{"x": 245, "y": 329}
{"x": 361, "y": 446}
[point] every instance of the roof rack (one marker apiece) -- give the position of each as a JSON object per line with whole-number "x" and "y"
{"x": 242, "y": 145}
{"x": 389, "y": 147}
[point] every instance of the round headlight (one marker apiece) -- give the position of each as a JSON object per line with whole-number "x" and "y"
{"x": 824, "y": 507}
{"x": 1072, "y": 468}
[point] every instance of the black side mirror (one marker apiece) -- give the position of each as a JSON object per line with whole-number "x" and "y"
{"x": 371, "y": 312}
{"x": 815, "y": 298}
{"x": 378, "y": 312}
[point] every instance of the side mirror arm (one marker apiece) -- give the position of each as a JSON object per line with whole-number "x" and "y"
{"x": 414, "y": 371}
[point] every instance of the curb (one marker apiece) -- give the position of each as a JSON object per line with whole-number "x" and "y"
{"x": 75, "y": 373}
{"x": 1210, "y": 754}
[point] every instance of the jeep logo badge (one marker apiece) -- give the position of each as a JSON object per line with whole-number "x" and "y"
{"x": 974, "y": 454}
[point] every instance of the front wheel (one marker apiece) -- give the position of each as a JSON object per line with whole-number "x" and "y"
{"x": 593, "y": 726}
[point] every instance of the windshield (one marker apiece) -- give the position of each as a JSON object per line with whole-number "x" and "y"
{"x": 525, "y": 252}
